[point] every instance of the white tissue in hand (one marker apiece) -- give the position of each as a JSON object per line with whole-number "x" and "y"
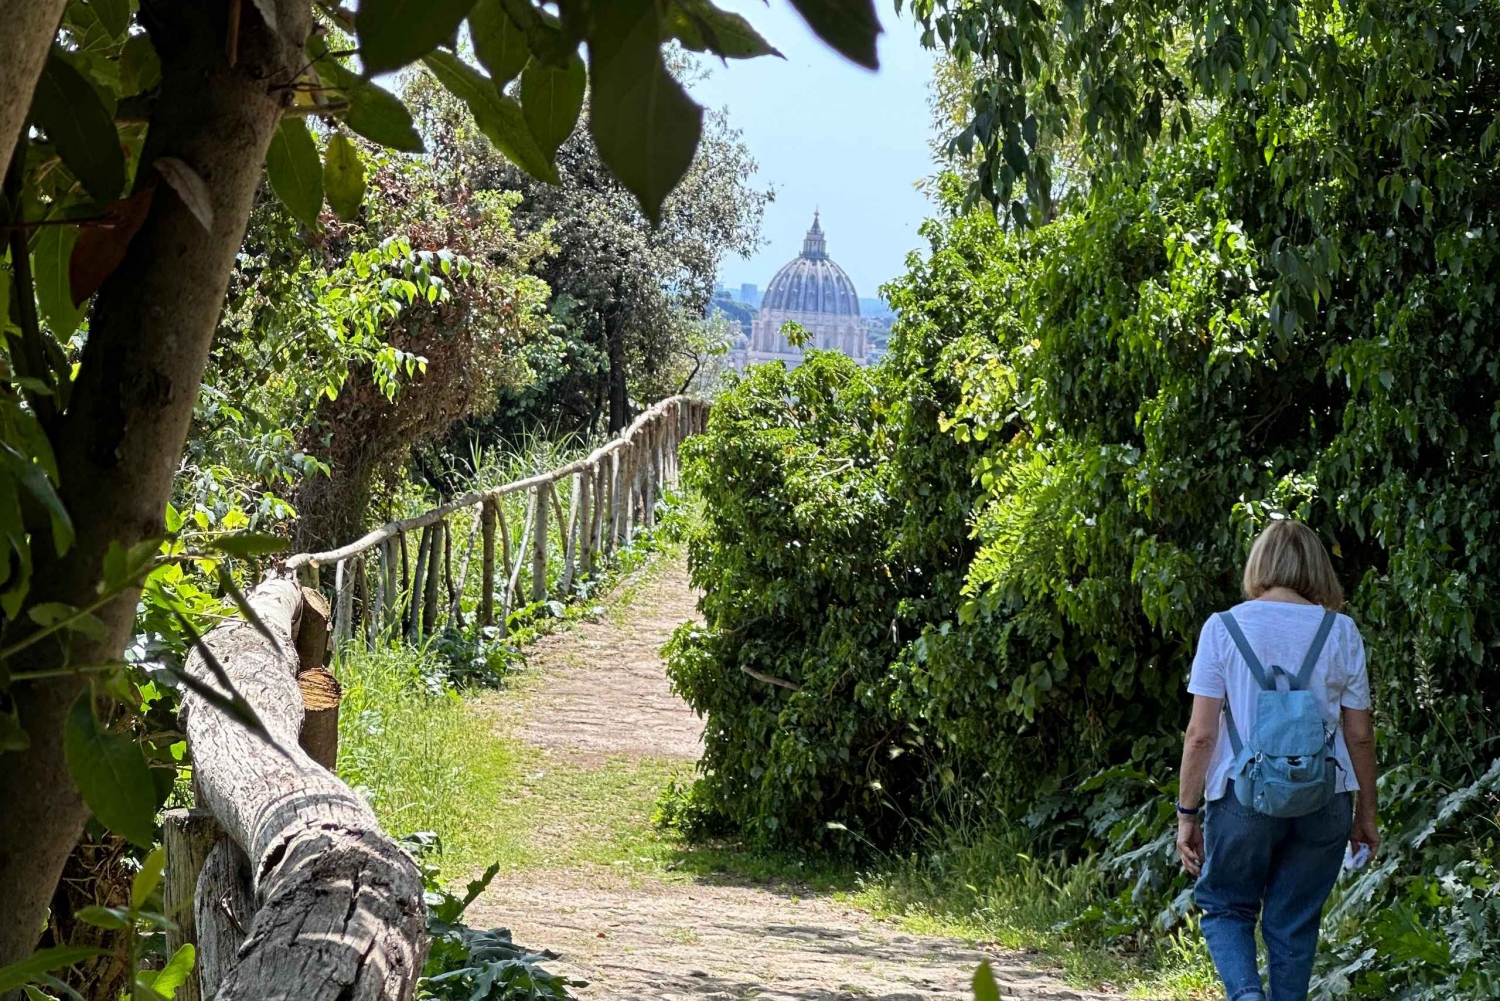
{"x": 1356, "y": 859}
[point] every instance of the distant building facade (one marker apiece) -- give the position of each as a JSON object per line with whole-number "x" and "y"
{"x": 814, "y": 292}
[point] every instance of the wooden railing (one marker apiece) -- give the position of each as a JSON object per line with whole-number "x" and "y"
{"x": 281, "y": 876}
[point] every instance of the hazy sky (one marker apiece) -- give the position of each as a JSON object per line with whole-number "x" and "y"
{"x": 831, "y": 135}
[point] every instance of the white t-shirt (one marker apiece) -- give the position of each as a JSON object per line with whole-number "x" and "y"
{"x": 1280, "y": 633}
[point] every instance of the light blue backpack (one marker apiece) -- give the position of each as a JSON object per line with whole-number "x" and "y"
{"x": 1287, "y": 769}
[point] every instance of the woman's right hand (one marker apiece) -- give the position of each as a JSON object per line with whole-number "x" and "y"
{"x": 1190, "y": 843}
{"x": 1366, "y": 831}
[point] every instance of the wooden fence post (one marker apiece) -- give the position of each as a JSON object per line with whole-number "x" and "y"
{"x": 418, "y": 586}
{"x": 570, "y": 534}
{"x": 434, "y": 579}
{"x": 539, "y": 543}
{"x": 586, "y": 523}
{"x": 487, "y": 564}
{"x": 187, "y": 837}
{"x": 507, "y": 582}
{"x": 320, "y": 690}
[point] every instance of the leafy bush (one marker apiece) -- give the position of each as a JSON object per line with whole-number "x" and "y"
{"x": 982, "y": 567}
{"x": 467, "y": 964}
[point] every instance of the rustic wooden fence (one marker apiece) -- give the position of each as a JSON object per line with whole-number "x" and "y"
{"x": 281, "y": 875}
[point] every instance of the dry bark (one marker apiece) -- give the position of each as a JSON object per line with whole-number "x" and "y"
{"x": 29, "y": 27}
{"x": 119, "y": 443}
{"x": 339, "y": 905}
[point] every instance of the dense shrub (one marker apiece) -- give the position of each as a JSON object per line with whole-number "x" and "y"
{"x": 986, "y": 562}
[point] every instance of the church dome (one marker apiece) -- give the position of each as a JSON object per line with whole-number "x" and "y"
{"x": 812, "y": 283}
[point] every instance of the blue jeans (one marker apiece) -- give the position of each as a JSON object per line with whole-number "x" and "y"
{"x": 1279, "y": 871}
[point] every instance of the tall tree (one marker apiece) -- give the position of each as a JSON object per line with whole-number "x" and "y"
{"x": 180, "y": 106}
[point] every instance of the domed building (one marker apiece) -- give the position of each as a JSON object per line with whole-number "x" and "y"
{"x": 816, "y": 293}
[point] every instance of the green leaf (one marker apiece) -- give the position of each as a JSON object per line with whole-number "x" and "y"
{"x": 140, "y": 66}
{"x": 54, "y": 289}
{"x": 149, "y": 878}
{"x": 110, "y": 918}
{"x": 113, "y": 14}
{"x": 643, "y": 122}
{"x": 66, "y": 106}
{"x": 35, "y": 480}
{"x": 499, "y": 42}
{"x": 373, "y": 111}
{"x": 850, "y": 26}
{"x": 343, "y": 177}
{"x": 985, "y": 988}
{"x": 295, "y": 173}
{"x": 499, "y": 117}
{"x": 702, "y": 27}
{"x": 55, "y": 613}
{"x": 45, "y": 961}
{"x": 244, "y": 544}
{"x": 551, "y": 100}
{"x": 13, "y": 736}
{"x": 111, "y": 774}
{"x": 176, "y": 972}
{"x": 393, "y": 33}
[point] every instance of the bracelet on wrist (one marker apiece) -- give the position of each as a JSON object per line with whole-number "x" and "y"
{"x": 1188, "y": 811}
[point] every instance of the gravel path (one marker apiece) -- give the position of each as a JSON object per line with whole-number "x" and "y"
{"x": 602, "y": 693}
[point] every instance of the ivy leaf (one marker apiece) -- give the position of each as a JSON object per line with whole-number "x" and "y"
{"x": 499, "y": 117}
{"x": 499, "y": 42}
{"x": 140, "y": 67}
{"x": 393, "y": 33}
{"x": 985, "y": 988}
{"x": 51, "y": 259}
{"x": 67, "y": 107}
{"x": 54, "y": 613}
{"x": 643, "y": 122}
{"x": 13, "y": 736}
{"x": 176, "y": 972}
{"x": 294, "y": 171}
{"x": 246, "y": 544}
{"x": 114, "y": 15}
{"x": 149, "y": 878}
{"x": 551, "y": 100}
{"x": 373, "y": 111}
{"x": 108, "y": 918}
{"x": 99, "y": 250}
{"x": 850, "y": 26}
{"x": 343, "y": 177}
{"x": 111, "y": 774}
{"x": 34, "y": 478}
{"x": 45, "y": 961}
{"x": 702, "y": 27}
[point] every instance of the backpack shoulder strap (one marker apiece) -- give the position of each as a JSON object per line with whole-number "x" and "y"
{"x": 1304, "y": 676}
{"x": 1251, "y": 661}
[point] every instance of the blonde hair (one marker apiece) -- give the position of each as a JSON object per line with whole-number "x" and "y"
{"x": 1289, "y": 554}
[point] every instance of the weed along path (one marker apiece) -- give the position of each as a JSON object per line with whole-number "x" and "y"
{"x": 598, "y": 733}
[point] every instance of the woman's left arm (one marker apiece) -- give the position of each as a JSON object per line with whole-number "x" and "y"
{"x": 1197, "y": 751}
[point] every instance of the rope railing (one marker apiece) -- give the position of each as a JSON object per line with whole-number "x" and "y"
{"x": 280, "y": 855}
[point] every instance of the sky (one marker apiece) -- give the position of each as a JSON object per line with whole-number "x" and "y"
{"x": 830, "y": 135}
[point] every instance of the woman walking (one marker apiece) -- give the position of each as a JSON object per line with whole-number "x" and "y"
{"x": 1278, "y": 766}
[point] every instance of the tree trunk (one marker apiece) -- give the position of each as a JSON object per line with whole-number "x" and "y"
{"x": 619, "y": 395}
{"x": 29, "y": 28}
{"x": 119, "y": 443}
{"x": 340, "y": 913}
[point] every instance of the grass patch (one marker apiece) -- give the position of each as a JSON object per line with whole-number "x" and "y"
{"x": 424, "y": 761}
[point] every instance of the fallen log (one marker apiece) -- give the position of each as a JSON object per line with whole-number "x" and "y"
{"x": 339, "y": 914}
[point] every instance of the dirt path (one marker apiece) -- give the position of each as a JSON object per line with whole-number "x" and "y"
{"x": 598, "y": 693}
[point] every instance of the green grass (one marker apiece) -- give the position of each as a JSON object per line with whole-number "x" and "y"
{"x": 445, "y": 763}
